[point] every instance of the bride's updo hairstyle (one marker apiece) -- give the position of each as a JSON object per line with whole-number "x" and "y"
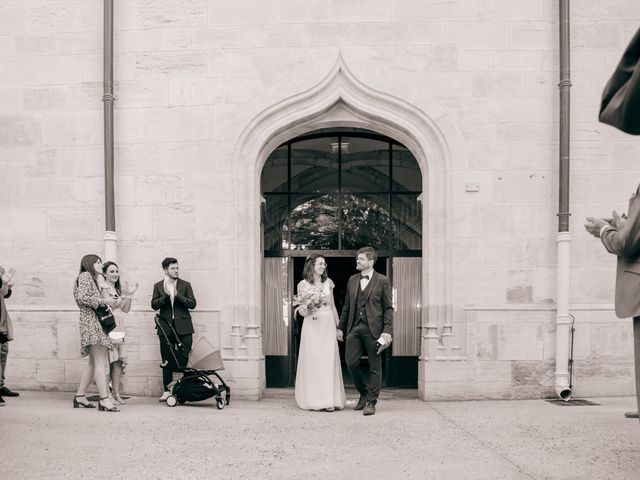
{"x": 309, "y": 266}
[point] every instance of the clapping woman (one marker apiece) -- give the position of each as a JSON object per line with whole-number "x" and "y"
{"x": 111, "y": 289}
{"x": 94, "y": 342}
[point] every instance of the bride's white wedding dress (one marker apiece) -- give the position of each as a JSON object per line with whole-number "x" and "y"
{"x": 319, "y": 375}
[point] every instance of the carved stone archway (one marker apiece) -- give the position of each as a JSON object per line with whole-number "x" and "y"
{"x": 341, "y": 100}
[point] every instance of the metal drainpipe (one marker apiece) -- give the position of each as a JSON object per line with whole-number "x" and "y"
{"x": 110, "y": 237}
{"x": 563, "y": 318}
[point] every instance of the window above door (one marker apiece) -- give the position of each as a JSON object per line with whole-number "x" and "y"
{"x": 339, "y": 190}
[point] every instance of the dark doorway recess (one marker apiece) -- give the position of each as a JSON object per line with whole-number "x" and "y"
{"x": 331, "y": 192}
{"x": 398, "y": 372}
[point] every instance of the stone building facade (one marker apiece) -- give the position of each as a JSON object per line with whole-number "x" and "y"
{"x": 207, "y": 89}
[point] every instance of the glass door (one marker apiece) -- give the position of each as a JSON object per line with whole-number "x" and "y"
{"x": 402, "y": 371}
{"x": 276, "y": 322}
{"x": 333, "y": 191}
{"x": 282, "y": 330}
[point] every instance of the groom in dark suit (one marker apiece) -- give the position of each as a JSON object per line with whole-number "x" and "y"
{"x": 366, "y": 319}
{"x": 173, "y": 297}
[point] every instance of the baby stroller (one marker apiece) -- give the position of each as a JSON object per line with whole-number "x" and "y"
{"x": 195, "y": 384}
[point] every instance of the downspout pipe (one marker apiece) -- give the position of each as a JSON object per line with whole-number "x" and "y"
{"x": 110, "y": 237}
{"x": 563, "y": 317}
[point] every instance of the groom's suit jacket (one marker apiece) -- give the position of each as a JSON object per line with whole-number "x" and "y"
{"x": 182, "y": 302}
{"x": 625, "y": 243}
{"x": 379, "y": 306}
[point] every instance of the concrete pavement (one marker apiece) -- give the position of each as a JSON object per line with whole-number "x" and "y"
{"x": 43, "y": 437}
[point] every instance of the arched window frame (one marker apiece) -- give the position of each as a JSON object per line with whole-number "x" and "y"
{"x": 282, "y": 201}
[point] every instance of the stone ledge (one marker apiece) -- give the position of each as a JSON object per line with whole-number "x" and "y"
{"x": 73, "y": 308}
{"x": 535, "y": 307}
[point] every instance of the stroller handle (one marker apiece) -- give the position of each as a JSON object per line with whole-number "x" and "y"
{"x": 158, "y": 323}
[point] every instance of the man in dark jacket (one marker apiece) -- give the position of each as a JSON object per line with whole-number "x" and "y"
{"x": 173, "y": 298}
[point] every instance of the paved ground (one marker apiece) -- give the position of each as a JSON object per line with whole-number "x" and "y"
{"x": 43, "y": 437}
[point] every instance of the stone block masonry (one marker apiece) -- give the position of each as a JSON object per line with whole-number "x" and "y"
{"x": 194, "y": 77}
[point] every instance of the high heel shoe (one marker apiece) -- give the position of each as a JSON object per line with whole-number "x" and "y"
{"x": 102, "y": 408}
{"x": 118, "y": 400}
{"x": 77, "y": 404}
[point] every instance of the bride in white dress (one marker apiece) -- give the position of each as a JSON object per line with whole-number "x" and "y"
{"x": 319, "y": 383}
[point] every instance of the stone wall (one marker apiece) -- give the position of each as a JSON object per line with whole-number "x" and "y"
{"x": 188, "y": 70}
{"x": 509, "y": 353}
{"x": 46, "y": 353}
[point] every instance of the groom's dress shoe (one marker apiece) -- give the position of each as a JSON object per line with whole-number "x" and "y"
{"x": 369, "y": 409}
{"x": 631, "y": 414}
{"x": 8, "y": 393}
{"x": 361, "y": 403}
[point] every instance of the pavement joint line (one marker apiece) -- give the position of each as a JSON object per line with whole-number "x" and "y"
{"x": 481, "y": 442}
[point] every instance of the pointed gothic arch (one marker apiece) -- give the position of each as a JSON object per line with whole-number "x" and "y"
{"x": 342, "y": 100}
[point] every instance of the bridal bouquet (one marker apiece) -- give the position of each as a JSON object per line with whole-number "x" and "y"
{"x": 312, "y": 299}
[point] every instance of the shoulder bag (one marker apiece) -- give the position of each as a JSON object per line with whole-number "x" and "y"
{"x": 105, "y": 317}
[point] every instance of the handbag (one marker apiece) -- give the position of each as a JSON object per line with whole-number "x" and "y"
{"x": 106, "y": 318}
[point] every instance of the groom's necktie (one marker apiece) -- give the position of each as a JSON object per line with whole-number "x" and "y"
{"x": 364, "y": 281}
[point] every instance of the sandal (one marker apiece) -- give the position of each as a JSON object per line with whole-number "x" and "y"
{"x": 77, "y": 404}
{"x": 102, "y": 408}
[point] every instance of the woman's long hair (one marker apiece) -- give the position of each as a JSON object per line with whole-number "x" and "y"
{"x": 86, "y": 265}
{"x": 105, "y": 267}
{"x": 309, "y": 266}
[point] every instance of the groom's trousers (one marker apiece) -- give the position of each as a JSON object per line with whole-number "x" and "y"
{"x": 359, "y": 340}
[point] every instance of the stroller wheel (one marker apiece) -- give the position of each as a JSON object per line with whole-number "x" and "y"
{"x": 220, "y": 403}
{"x": 172, "y": 401}
{"x": 181, "y": 400}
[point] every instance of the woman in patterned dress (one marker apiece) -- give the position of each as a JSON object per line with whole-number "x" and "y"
{"x": 94, "y": 342}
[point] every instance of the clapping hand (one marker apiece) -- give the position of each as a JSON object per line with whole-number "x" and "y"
{"x": 128, "y": 292}
{"x": 112, "y": 301}
{"x": 7, "y": 276}
{"x": 594, "y": 225}
{"x": 617, "y": 221}
{"x": 119, "y": 299}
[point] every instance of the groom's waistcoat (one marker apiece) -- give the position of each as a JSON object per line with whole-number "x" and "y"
{"x": 378, "y": 305}
{"x": 361, "y": 306}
